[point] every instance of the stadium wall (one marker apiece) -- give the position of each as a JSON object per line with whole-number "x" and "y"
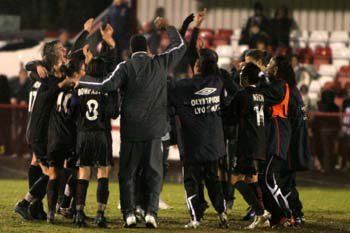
{"x": 327, "y": 15}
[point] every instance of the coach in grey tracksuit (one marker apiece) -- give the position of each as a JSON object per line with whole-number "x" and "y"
{"x": 143, "y": 84}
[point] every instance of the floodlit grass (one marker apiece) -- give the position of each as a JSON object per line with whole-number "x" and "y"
{"x": 326, "y": 210}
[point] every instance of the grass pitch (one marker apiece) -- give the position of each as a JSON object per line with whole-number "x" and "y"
{"x": 326, "y": 210}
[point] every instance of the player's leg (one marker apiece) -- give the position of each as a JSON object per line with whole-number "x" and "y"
{"x": 129, "y": 163}
{"x": 153, "y": 178}
{"x": 165, "y": 147}
{"x": 31, "y": 205}
{"x": 34, "y": 171}
{"x": 214, "y": 187}
{"x": 67, "y": 206}
{"x": 102, "y": 194}
{"x": 192, "y": 180}
{"x": 84, "y": 175}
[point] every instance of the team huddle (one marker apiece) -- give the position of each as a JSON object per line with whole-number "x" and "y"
{"x": 244, "y": 130}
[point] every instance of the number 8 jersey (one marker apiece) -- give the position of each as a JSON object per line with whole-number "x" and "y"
{"x": 248, "y": 107}
{"x": 95, "y": 109}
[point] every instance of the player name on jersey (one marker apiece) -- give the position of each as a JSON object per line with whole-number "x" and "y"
{"x": 88, "y": 91}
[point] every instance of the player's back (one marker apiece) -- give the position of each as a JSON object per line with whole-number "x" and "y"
{"x": 250, "y": 104}
{"x": 92, "y": 110}
{"x": 62, "y": 127}
{"x": 42, "y": 97}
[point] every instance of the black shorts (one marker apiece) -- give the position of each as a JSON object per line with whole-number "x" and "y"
{"x": 94, "y": 148}
{"x": 39, "y": 149}
{"x": 56, "y": 158}
{"x": 247, "y": 167}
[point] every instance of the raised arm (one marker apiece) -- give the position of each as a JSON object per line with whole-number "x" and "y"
{"x": 81, "y": 40}
{"x": 185, "y": 25}
{"x": 177, "y": 47}
{"x": 111, "y": 82}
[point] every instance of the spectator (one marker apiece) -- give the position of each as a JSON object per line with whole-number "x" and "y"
{"x": 120, "y": 17}
{"x": 4, "y": 90}
{"x": 20, "y": 88}
{"x": 281, "y": 26}
{"x": 304, "y": 91}
{"x": 303, "y": 74}
{"x": 5, "y": 117}
{"x": 257, "y": 25}
{"x": 64, "y": 38}
{"x": 325, "y": 130}
{"x": 345, "y": 132}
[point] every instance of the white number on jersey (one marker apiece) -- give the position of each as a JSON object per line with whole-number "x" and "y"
{"x": 259, "y": 110}
{"x": 62, "y": 102}
{"x": 32, "y": 95}
{"x": 92, "y": 113}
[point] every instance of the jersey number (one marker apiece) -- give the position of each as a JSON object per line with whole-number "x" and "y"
{"x": 32, "y": 97}
{"x": 259, "y": 110}
{"x": 62, "y": 102}
{"x": 92, "y": 113}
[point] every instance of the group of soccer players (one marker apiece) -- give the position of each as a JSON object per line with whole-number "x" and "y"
{"x": 76, "y": 93}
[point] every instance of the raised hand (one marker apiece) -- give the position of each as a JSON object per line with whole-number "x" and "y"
{"x": 160, "y": 23}
{"x": 87, "y": 53}
{"x": 88, "y": 25}
{"x": 200, "y": 17}
{"x": 107, "y": 35}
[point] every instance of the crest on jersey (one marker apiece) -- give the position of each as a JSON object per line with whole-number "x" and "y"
{"x": 206, "y": 91}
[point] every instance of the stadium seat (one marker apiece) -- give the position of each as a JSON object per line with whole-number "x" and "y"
{"x": 285, "y": 51}
{"x": 327, "y": 70}
{"x": 303, "y": 39}
{"x": 225, "y": 51}
{"x": 207, "y": 37}
{"x": 225, "y": 63}
{"x": 318, "y": 39}
{"x": 314, "y": 92}
{"x": 339, "y": 36}
{"x": 337, "y": 45}
{"x": 341, "y": 57}
{"x": 225, "y": 32}
{"x": 238, "y": 52}
{"x": 305, "y": 55}
{"x": 221, "y": 40}
{"x": 325, "y": 79}
{"x": 322, "y": 55}
{"x": 319, "y": 36}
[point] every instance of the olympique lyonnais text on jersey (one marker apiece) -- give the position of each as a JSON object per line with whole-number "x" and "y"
{"x": 197, "y": 102}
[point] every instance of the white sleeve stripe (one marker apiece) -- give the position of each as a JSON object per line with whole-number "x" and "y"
{"x": 177, "y": 47}
{"x": 106, "y": 80}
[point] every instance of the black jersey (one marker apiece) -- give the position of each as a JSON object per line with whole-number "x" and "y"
{"x": 197, "y": 102}
{"x": 95, "y": 109}
{"x": 248, "y": 105}
{"x": 62, "y": 129}
{"x": 42, "y": 97}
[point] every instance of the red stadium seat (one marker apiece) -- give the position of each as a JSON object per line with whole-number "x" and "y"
{"x": 207, "y": 36}
{"x": 284, "y": 51}
{"x": 221, "y": 40}
{"x": 305, "y": 55}
{"x": 323, "y": 55}
{"x": 225, "y": 32}
{"x": 343, "y": 76}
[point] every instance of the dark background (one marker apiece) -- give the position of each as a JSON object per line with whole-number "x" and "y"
{"x": 53, "y": 14}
